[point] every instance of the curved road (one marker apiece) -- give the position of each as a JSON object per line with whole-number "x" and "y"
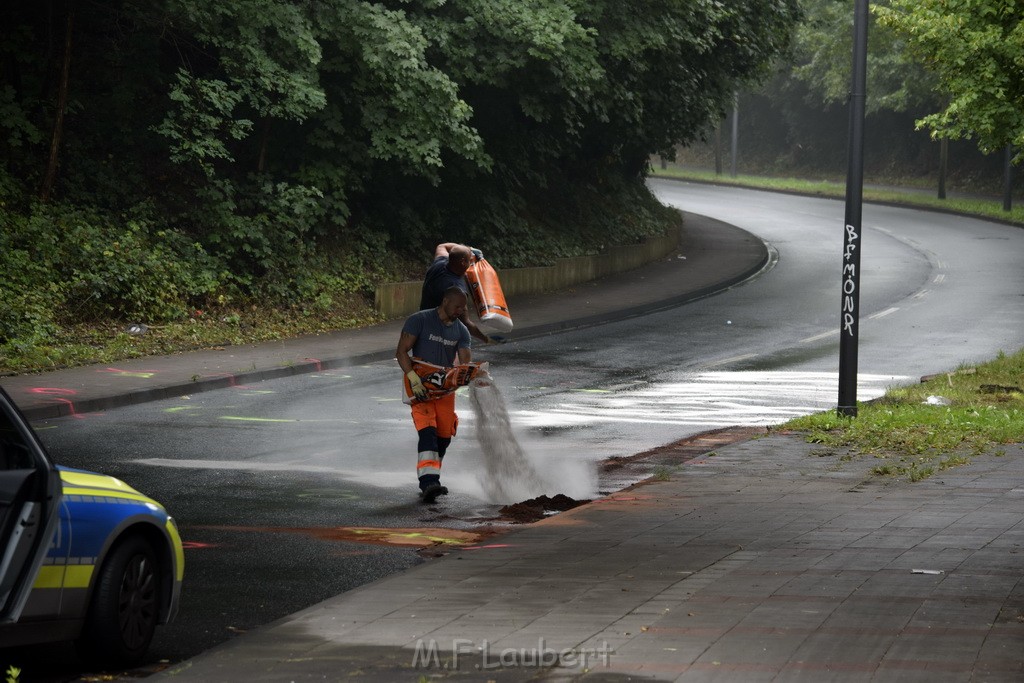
{"x": 937, "y": 289}
{"x": 261, "y": 478}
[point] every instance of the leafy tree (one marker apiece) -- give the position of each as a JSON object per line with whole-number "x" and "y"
{"x": 976, "y": 48}
{"x": 823, "y": 47}
{"x": 279, "y": 144}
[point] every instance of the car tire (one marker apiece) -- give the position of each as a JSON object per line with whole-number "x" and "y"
{"x": 125, "y": 606}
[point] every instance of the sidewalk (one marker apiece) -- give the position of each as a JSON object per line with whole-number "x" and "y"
{"x": 760, "y": 561}
{"x": 711, "y": 257}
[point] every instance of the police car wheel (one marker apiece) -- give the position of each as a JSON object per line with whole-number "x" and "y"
{"x": 125, "y": 607}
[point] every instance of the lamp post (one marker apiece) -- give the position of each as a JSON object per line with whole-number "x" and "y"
{"x": 735, "y": 133}
{"x": 849, "y": 327}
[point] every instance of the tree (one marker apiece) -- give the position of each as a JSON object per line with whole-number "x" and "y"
{"x": 275, "y": 134}
{"x": 976, "y": 50}
{"x": 823, "y": 46}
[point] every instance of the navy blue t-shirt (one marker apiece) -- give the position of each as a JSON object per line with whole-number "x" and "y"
{"x": 436, "y": 342}
{"x": 437, "y": 281}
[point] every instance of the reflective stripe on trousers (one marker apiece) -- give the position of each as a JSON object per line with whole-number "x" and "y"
{"x": 428, "y": 463}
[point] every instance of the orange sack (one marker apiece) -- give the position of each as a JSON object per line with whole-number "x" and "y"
{"x": 441, "y": 381}
{"x": 487, "y": 295}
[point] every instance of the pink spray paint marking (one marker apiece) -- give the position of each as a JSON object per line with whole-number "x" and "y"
{"x": 55, "y": 393}
{"x": 232, "y": 380}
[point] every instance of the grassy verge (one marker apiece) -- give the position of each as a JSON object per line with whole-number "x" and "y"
{"x": 111, "y": 341}
{"x": 919, "y": 430}
{"x": 982, "y": 208}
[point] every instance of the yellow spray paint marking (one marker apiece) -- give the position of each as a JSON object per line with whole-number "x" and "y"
{"x": 127, "y": 373}
{"x": 333, "y": 495}
{"x": 178, "y": 409}
{"x": 396, "y": 537}
{"x": 257, "y": 392}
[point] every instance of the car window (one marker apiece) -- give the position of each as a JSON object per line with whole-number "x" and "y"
{"x": 15, "y": 453}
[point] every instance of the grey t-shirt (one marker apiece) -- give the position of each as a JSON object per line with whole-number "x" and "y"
{"x": 436, "y": 342}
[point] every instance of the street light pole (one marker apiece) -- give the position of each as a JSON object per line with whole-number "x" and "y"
{"x": 735, "y": 132}
{"x": 849, "y": 326}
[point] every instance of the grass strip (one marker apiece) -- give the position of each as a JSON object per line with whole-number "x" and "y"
{"x": 981, "y": 208}
{"x": 110, "y": 342}
{"x": 916, "y": 431}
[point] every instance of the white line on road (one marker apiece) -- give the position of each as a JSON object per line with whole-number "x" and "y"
{"x": 882, "y": 314}
{"x": 734, "y": 359}
{"x": 819, "y": 337}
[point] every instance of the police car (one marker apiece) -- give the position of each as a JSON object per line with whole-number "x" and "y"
{"x": 85, "y": 557}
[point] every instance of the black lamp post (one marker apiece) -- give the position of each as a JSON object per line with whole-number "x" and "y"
{"x": 849, "y": 327}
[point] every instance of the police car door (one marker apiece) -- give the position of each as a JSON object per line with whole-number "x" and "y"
{"x": 30, "y": 492}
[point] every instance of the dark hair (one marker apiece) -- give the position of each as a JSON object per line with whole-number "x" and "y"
{"x": 453, "y": 290}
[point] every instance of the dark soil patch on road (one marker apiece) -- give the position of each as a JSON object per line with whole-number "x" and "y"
{"x": 538, "y": 508}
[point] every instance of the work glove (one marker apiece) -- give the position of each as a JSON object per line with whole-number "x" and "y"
{"x": 416, "y": 384}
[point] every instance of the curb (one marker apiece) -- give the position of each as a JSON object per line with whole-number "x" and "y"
{"x": 204, "y": 384}
{"x": 64, "y": 408}
{"x": 816, "y": 195}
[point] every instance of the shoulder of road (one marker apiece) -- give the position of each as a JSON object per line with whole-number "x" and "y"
{"x": 712, "y": 256}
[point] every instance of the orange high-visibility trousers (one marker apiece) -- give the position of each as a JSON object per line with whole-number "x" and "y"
{"x": 439, "y": 414}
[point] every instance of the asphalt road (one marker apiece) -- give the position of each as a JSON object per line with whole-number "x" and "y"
{"x": 262, "y": 477}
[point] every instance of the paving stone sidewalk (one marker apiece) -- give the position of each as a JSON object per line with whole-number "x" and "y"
{"x": 766, "y": 560}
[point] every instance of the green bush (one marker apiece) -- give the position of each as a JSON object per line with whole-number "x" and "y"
{"x": 63, "y": 264}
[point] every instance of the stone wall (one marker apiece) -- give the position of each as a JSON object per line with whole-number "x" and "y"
{"x": 398, "y": 299}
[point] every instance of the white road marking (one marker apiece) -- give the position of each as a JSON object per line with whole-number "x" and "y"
{"x": 819, "y": 337}
{"x": 882, "y": 314}
{"x": 728, "y": 361}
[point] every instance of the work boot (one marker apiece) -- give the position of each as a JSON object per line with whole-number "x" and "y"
{"x": 431, "y": 493}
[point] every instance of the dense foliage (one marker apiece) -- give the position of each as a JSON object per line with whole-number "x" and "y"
{"x": 160, "y": 155}
{"x": 797, "y": 122}
{"x": 976, "y": 48}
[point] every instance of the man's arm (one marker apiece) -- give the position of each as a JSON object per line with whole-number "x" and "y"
{"x": 443, "y": 249}
{"x": 465, "y": 355}
{"x": 474, "y": 330}
{"x": 405, "y": 344}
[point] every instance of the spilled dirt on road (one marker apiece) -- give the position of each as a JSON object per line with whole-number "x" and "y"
{"x": 538, "y": 508}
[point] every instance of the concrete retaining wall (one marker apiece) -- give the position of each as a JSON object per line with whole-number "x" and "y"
{"x": 397, "y": 299}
